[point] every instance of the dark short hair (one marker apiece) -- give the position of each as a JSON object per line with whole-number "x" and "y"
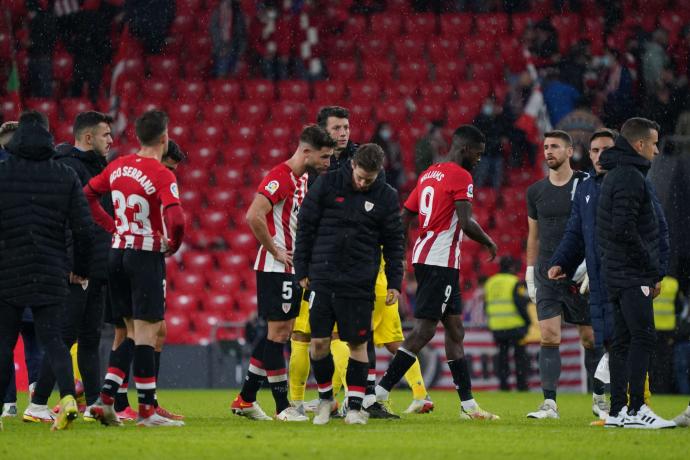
{"x": 603, "y": 132}
{"x": 90, "y": 119}
{"x": 469, "y": 135}
{"x": 638, "y": 128}
{"x": 317, "y": 137}
{"x": 331, "y": 111}
{"x": 150, "y": 126}
{"x": 562, "y": 135}
{"x": 175, "y": 153}
{"x": 369, "y": 157}
{"x": 34, "y": 117}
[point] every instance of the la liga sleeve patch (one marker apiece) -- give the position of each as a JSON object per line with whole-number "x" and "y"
{"x": 272, "y": 187}
{"x": 174, "y": 191}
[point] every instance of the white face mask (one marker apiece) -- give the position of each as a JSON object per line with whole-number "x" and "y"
{"x": 385, "y": 134}
{"x": 488, "y": 109}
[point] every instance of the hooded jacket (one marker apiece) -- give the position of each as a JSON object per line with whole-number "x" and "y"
{"x": 88, "y": 164}
{"x": 627, "y": 223}
{"x": 39, "y": 199}
{"x": 341, "y": 233}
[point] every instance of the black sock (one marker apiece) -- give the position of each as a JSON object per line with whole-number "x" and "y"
{"x": 549, "y": 370}
{"x": 371, "y": 374}
{"x": 89, "y": 363}
{"x": 460, "y": 370}
{"x": 401, "y": 362}
{"x": 158, "y": 366}
{"x": 120, "y": 360}
{"x": 145, "y": 378}
{"x": 592, "y": 358}
{"x": 323, "y": 373}
{"x": 276, "y": 373}
{"x": 256, "y": 373}
{"x": 356, "y": 383}
{"x": 121, "y": 401}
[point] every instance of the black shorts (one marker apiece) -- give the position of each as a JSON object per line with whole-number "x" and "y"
{"x": 108, "y": 315}
{"x": 353, "y": 317}
{"x": 438, "y": 292}
{"x": 278, "y": 296}
{"x": 137, "y": 284}
{"x": 559, "y": 297}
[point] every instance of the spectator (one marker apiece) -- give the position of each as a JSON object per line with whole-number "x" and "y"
{"x": 560, "y": 97}
{"x": 544, "y": 46}
{"x": 272, "y": 41}
{"x": 581, "y": 124}
{"x": 655, "y": 59}
{"x": 7, "y": 129}
{"x": 496, "y": 127}
{"x": 681, "y": 352}
{"x": 430, "y": 148}
{"x": 149, "y": 21}
{"x": 369, "y": 6}
{"x": 667, "y": 305}
{"x": 665, "y": 101}
{"x": 680, "y": 52}
{"x": 574, "y": 66}
{"x": 392, "y": 162}
{"x": 42, "y": 38}
{"x": 619, "y": 85}
{"x": 229, "y": 36}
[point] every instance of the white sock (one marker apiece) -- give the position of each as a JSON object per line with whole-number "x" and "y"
{"x": 381, "y": 393}
{"x": 551, "y": 402}
{"x": 469, "y": 404}
{"x": 368, "y": 401}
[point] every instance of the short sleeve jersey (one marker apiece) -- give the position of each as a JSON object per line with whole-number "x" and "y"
{"x": 549, "y": 205}
{"x": 286, "y": 192}
{"x": 433, "y": 198}
{"x": 141, "y": 189}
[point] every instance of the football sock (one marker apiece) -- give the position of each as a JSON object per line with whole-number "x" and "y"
{"x": 158, "y": 366}
{"x": 323, "y": 373}
{"x": 549, "y": 370}
{"x": 459, "y": 368}
{"x": 592, "y": 358}
{"x": 356, "y": 383}
{"x": 371, "y": 374}
{"x": 120, "y": 360}
{"x": 121, "y": 401}
{"x": 255, "y": 374}
{"x": 341, "y": 355}
{"x": 401, "y": 362}
{"x": 145, "y": 379}
{"x": 276, "y": 373}
{"x": 415, "y": 380}
{"x": 298, "y": 369}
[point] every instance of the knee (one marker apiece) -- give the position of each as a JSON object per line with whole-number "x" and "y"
{"x": 392, "y": 347}
{"x": 301, "y": 337}
{"x": 279, "y": 331}
{"x": 320, "y": 348}
{"x": 644, "y": 337}
{"x": 550, "y": 337}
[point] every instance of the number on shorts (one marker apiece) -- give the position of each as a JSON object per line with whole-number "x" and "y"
{"x": 447, "y": 293}
{"x": 287, "y": 290}
{"x": 425, "y": 204}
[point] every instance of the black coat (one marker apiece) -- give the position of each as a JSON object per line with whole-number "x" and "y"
{"x": 341, "y": 234}
{"x": 627, "y": 224}
{"x": 39, "y": 199}
{"x": 87, "y": 165}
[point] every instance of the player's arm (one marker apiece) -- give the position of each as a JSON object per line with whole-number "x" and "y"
{"x": 571, "y": 250}
{"x": 664, "y": 246}
{"x": 463, "y": 208}
{"x": 98, "y": 186}
{"x": 81, "y": 225}
{"x": 256, "y": 219}
{"x": 393, "y": 243}
{"x": 175, "y": 223}
{"x": 308, "y": 221}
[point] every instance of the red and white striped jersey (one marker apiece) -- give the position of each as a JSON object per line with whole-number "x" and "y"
{"x": 285, "y": 191}
{"x": 434, "y": 197}
{"x": 141, "y": 189}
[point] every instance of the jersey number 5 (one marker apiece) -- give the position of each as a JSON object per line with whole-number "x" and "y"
{"x": 425, "y": 203}
{"x": 140, "y": 225}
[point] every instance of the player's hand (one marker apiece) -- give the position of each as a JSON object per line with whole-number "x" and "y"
{"x": 76, "y": 279}
{"x": 656, "y": 291}
{"x": 284, "y": 257}
{"x": 392, "y": 296}
{"x": 556, "y": 273}
{"x": 493, "y": 249}
{"x": 531, "y": 288}
{"x": 304, "y": 282}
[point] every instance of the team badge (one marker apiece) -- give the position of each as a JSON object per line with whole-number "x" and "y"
{"x": 470, "y": 191}
{"x": 368, "y": 206}
{"x": 272, "y": 187}
{"x": 587, "y": 198}
{"x": 645, "y": 290}
{"x": 286, "y": 306}
{"x": 174, "y": 190}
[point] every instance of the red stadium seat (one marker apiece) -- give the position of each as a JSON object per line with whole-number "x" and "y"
{"x": 215, "y": 220}
{"x": 479, "y": 48}
{"x": 520, "y": 21}
{"x": 278, "y": 133}
{"x": 409, "y": 47}
{"x": 237, "y": 155}
{"x": 374, "y": 47}
{"x": 451, "y": 70}
{"x": 487, "y": 71}
{"x": 221, "y": 198}
{"x": 288, "y": 112}
{"x": 73, "y": 107}
{"x": 224, "y": 90}
{"x": 192, "y": 91}
{"x": 496, "y": 24}
{"x": 164, "y": 67}
{"x": 204, "y": 322}
{"x": 329, "y": 91}
{"x": 413, "y": 71}
{"x": 473, "y": 91}
{"x": 363, "y": 91}
{"x": 460, "y": 113}
{"x": 183, "y": 113}
{"x": 442, "y": 49}
{"x": 203, "y": 156}
{"x": 46, "y": 106}
{"x": 63, "y": 66}
{"x": 392, "y": 112}
{"x": 203, "y": 239}
{"x": 248, "y": 302}
{"x": 193, "y": 177}
{"x": 189, "y": 282}
{"x": 356, "y": 26}
{"x": 183, "y": 24}
{"x": 233, "y": 262}
{"x": 343, "y": 46}
{"x": 293, "y": 90}
{"x": 197, "y": 261}
{"x": 439, "y": 91}
{"x": 400, "y": 90}
{"x": 157, "y": 90}
{"x": 386, "y": 24}
{"x": 217, "y": 112}
{"x": 429, "y": 110}
{"x": 511, "y": 52}
{"x": 272, "y": 154}
{"x": 179, "y": 301}
{"x": 252, "y": 111}
{"x": 177, "y": 325}
{"x": 243, "y": 133}
{"x": 566, "y": 24}
{"x": 456, "y": 26}
{"x": 221, "y": 281}
{"x": 242, "y": 241}
{"x": 229, "y": 177}
{"x": 212, "y": 134}
{"x": 359, "y": 112}
{"x": 181, "y": 133}
{"x": 219, "y": 302}
{"x": 421, "y": 24}
{"x": 344, "y": 69}
{"x": 259, "y": 90}
{"x": 377, "y": 69}
{"x": 63, "y": 133}
{"x": 9, "y": 110}
{"x": 191, "y": 198}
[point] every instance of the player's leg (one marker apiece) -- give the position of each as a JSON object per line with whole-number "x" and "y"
{"x": 299, "y": 366}
{"x": 549, "y": 359}
{"x": 341, "y": 356}
{"x": 89, "y": 334}
{"x": 502, "y": 361}
{"x": 321, "y": 320}
{"x": 460, "y": 367}
{"x": 158, "y": 350}
{"x": 618, "y": 355}
{"x": 10, "y": 324}
{"x": 522, "y": 365}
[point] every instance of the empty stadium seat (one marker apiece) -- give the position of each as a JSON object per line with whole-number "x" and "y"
{"x": 259, "y": 90}
{"x": 224, "y": 281}
{"x": 252, "y": 110}
{"x": 215, "y": 220}
{"x": 219, "y": 302}
{"x": 224, "y": 91}
{"x": 293, "y": 90}
{"x": 197, "y": 261}
{"x": 329, "y": 90}
{"x": 456, "y": 26}
{"x": 189, "y": 282}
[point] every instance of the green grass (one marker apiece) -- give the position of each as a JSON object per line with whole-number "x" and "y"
{"x": 212, "y": 432}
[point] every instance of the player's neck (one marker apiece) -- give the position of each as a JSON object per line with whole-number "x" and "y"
{"x": 562, "y": 175}
{"x": 296, "y": 165}
{"x": 151, "y": 152}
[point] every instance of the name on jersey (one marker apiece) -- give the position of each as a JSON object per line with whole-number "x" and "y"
{"x": 137, "y": 175}
{"x": 438, "y": 175}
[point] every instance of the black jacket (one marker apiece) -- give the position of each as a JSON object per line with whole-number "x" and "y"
{"x": 341, "y": 234}
{"x": 39, "y": 198}
{"x": 87, "y": 165}
{"x": 344, "y": 158}
{"x": 627, "y": 224}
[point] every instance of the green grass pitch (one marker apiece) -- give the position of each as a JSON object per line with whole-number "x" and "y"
{"x": 212, "y": 432}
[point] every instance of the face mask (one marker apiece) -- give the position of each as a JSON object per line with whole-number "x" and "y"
{"x": 385, "y": 134}
{"x": 488, "y": 109}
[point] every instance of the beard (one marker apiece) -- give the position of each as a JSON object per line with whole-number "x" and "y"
{"x": 555, "y": 164}
{"x": 467, "y": 164}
